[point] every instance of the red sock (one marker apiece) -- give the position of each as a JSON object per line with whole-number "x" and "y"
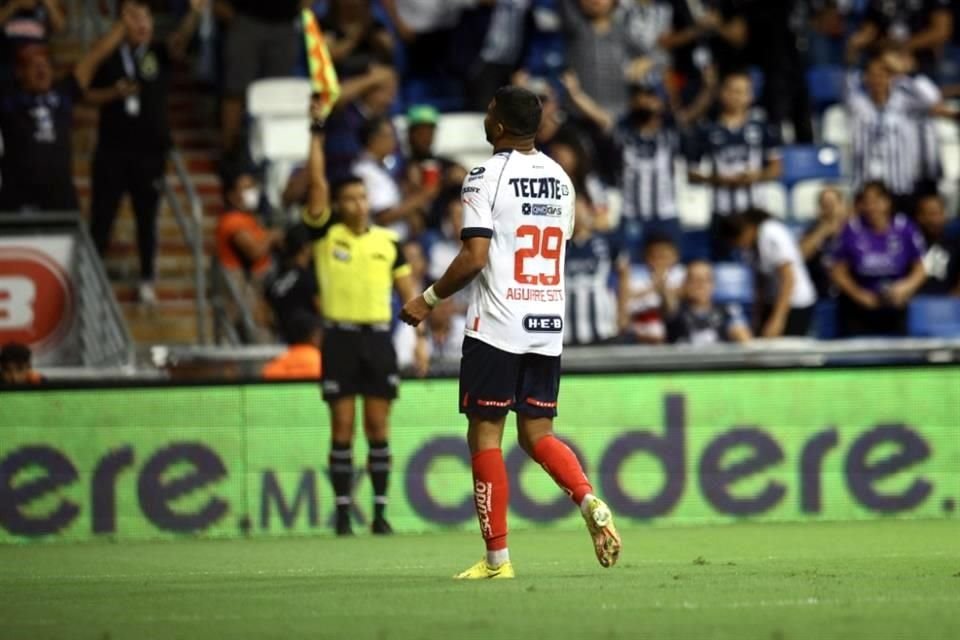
{"x": 562, "y": 465}
{"x": 491, "y": 494}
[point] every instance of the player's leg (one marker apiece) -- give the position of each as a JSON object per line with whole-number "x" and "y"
{"x": 342, "y": 419}
{"x": 537, "y": 392}
{"x": 379, "y": 379}
{"x": 377, "y": 430}
{"x": 340, "y": 388}
{"x": 487, "y": 382}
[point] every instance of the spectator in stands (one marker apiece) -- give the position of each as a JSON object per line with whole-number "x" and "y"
{"x": 28, "y": 22}
{"x": 594, "y": 312}
{"x": 602, "y": 52}
{"x": 133, "y": 137}
{"x": 818, "y": 238}
{"x": 654, "y": 290}
{"x": 262, "y": 41}
{"x": 424, "y": 168}
{"x": 16, "y": 367}
{"x": 829, "y": 22}
{"x": 707, "y": 33}
{"x": 447, "y": 246}
{"x": 405, "y": 214}
{"x": 503, "y": 45}
{"x": 245, "y": 248}
{"x": 356, "y": 37}
{"x": 784, "y": 295}
{"x": 302, "y": 360}
{"x": 887, "y": 129}
{"x": 591, "y": 192}
{"x": 774, "y": 49}
{"x": 36, "y": 121}
{"x": 877, "y": 266}
{"x": 922, "y": 27}
{"x": 942, "y": 259}
{"x": 292, "y": 289}
{"x": 427, "y": 28}
{"x": 648, "y": 142}
{"x": 444, "y": 343}
{"x": 362, "y": 98}
{"x": 742, "y": 152}
{"x": 698, "y": 320}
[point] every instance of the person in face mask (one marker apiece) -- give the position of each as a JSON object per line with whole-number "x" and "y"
{"x": 245, "y": 247}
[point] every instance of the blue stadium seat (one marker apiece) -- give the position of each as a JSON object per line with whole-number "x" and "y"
{"x": 825, "y": 319}
{"x": 695, "y": 245}
{"x": 803, "y": 162}
{"x": 825, "y": 82}
{"x": 758, "y": 79}
{"x": 934, "y": 317}
{"x": 733, "y": 283}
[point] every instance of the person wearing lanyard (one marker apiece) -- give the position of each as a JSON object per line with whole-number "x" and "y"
{"x": 358, "y": 266}
{"x": 134, "y": 136}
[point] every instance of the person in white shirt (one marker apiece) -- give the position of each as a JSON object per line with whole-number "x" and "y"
{"x": 785, "y": 295}
{"x": 518, "y": 216}
{"x": 390, "y": 208}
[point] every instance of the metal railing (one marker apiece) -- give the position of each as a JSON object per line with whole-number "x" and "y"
{"x": 191, "y": 226}
{"x": 233, "y": 322}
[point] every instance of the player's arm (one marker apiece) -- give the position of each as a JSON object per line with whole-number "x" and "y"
{"x": 934, "y": 36}
{"x": 465, "y": 267}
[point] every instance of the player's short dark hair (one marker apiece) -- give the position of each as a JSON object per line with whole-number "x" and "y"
{"x": 370, "y": 129}
{"x": 16, "y": 354}
{"x": 231, "y": 170}
{"x": 519, "y": 110}
{"x": 339, "y": 185}
{"x": 656, "y": 238}
{"x": 301, "y": 326}
{"x": 873, "y": 185}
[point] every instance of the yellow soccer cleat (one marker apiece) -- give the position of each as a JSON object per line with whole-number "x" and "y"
{"x": 483, "y": 571}
{"x": 606, "y": 540}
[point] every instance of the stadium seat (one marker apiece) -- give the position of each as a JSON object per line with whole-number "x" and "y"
{"x": 825, "y": 83}
{"x": 695, "y": 245}
{"x": 273, "y": 97}
{"x": 773, "y": 197}
{"x": 459, "y": 136}
{"x": 934, "y": 317}
{"x": 825, "y": 319}
{"x": 948, "y": 132}
{"x": 802, "y": 162}
{"x": 835, "y": 132}
{"x": 950, "y": 153}
{"x": 693, "y": 201}
{"x": 733, "y": 282}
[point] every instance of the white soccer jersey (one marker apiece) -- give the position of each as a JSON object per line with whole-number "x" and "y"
{"x": 525, "y": 204}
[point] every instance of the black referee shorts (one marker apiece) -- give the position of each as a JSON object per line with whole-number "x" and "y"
{"x": 359, "y": 361}
{"x": 493, "y": 382}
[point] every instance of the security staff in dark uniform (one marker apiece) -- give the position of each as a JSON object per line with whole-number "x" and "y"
{"x": 358, "y": 266}
{"x": 134, "y": 135}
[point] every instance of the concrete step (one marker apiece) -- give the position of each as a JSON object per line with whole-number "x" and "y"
{"x": 169, "y": 322}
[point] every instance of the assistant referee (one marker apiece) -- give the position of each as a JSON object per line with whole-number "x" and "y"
{"x": 358, "y": 266}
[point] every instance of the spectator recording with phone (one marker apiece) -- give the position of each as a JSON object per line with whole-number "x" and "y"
{"x": 877, "y": 266}
{"x": 36, "y": 120}
{"x": 818, "y": 238}
{"x": 133, "y": 139}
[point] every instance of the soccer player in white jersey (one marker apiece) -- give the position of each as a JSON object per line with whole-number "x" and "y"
{"x": 518, "y": 215}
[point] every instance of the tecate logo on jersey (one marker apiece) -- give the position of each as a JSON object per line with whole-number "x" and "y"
{"x": 543, "y": 324}
{"x": 550, "y": 188}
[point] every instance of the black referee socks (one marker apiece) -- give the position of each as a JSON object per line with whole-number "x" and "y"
{"x": 341, "y": 476}
{"x": 378, "y": 464}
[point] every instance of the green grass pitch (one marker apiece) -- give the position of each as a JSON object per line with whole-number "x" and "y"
{"x": 870, "y": 580}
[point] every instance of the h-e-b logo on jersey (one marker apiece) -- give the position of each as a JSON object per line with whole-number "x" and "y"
{"x": 542, "y": 324}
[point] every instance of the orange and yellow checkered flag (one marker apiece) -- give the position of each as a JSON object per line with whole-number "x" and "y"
{"x": 323, "y": 75}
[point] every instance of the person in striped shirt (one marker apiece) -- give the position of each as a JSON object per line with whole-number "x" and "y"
{"x": 741, "y": 151}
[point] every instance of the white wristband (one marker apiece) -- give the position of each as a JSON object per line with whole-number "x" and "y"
{"x": 431, "y": 298}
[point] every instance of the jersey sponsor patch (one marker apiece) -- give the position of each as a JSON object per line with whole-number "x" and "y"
{"x": 543, "y": 323}
{"x": 532, "y": 209}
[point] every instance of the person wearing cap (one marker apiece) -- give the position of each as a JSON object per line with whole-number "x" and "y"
{"x": 302, "y": 360}
{"x": 36, "y": 119}
{"x": 426, "y": 169}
